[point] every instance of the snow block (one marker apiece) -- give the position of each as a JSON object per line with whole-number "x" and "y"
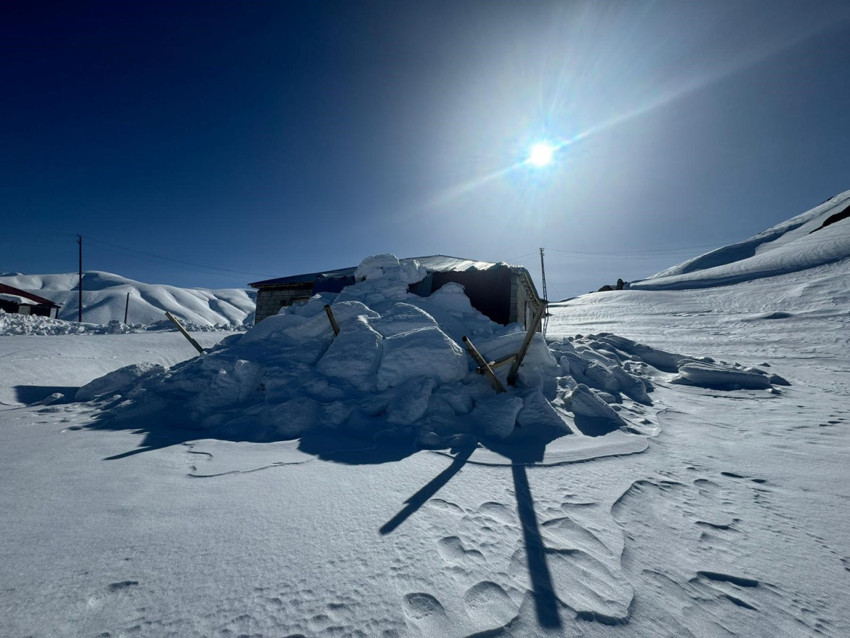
{"x": 584, "y": 402}
{"x": 410, "y": 401}
{"x": 290, "y": 419}
{"x": 427, "y": 352}
{"x": 537, "y": 414}
{"x": 710, "y": 375}
{"x": 118, "y": 381}
{"x": 496, "y": 415}
{"x": 353, "y": 355}
{"x": 402, "y": 317}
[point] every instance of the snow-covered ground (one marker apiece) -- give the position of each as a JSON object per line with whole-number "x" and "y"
{"x": 105, "y": 299}
{"x": 716, "y": 504}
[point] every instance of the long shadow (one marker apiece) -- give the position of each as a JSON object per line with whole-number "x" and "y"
{"x": 543, "y": 590}
{"x": 526, "y": 447}
{"x": 421, "y": 497}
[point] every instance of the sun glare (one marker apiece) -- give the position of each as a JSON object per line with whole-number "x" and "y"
{"x": 541, "y": 154}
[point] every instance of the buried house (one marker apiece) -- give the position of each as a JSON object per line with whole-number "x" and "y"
{"x": 504, "y": 293}
{"x": 14, "y": 300}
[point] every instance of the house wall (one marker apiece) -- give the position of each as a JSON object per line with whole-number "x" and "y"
{"x": 503, "y": 294}
{"x": 26, "y": 309}
{"x": 271, "y": 300}
{"x": 524, "y": 300}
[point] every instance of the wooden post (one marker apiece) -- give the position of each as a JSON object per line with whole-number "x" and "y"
{"x": 532, "y": 328}
{"x": 331, "y": 318}
{"x": 185, "y": 334}
{"x": 484, "y": 365}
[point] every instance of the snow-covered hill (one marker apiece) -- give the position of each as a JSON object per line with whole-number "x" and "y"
{"x": 105, "y": 299}
{"x": 818, "y": 236}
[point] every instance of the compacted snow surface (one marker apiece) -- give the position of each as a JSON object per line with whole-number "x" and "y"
{"x": 671, "y": 462}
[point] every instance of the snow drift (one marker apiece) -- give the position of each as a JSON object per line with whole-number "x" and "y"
{"x": 814, "y": 238}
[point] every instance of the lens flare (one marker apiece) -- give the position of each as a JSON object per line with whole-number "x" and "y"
{"x": 541, "y": 154}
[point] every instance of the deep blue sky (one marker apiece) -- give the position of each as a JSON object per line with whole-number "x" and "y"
{"x": 271, "y": 138}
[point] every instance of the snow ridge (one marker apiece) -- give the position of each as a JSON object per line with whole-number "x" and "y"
{"x": 799, "y": 243}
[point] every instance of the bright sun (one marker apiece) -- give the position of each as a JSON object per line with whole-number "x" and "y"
{"x": 541, "y": 154}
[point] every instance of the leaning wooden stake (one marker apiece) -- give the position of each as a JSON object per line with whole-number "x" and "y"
{"x": 497, "y": 363}
{"x": 532, "y": 328}
{"x": 185, "y": 334}
{"x": 482, "y": 363}
{"x": 331, "y": 318}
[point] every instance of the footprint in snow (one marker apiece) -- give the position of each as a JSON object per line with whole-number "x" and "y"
{"x": 452, "y": 550}
{"x": 487, "y": 603}
{"x": 426, "y": 614}
{"x": 448, "y": 506}
{"x": 420, "y": 605}
{"x": 498, "y": 511}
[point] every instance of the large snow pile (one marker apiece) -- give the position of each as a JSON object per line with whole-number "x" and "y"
{"x": 817, "y": 237}
{"x": 105, "y": 299}
{"x": 397, "y": 371}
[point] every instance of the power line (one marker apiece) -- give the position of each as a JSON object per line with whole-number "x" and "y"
{"x": 646, "y": 252}
{"x": 171, "y": 259}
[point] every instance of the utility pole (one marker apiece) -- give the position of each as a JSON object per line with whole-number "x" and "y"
{"x": 545, "y": 294}
{"x": 80, "y": 313}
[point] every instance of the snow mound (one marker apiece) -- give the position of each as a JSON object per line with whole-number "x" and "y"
{"x": 15, "y": 324}
{"x": 817, "y": 237}
{"x": 396, "y": 373}
{"x": 105, "y": 299}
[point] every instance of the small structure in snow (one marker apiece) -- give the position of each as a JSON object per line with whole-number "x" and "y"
{"x": 504, "y": 293}
{"x": 16, "y": 301}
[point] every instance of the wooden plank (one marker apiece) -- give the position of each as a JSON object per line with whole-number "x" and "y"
{"x": 332, "y": 319}
{"x": 529, "y": 334}
{"x": 185, "y": 334}
{"x": 497, "y": 363}
{"x": 484, "y": 365}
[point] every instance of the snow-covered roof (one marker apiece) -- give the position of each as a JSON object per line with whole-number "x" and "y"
{"x": 28, "y": 297}
{"x": 432, "y": 263}
{"x": 18, "y": 299}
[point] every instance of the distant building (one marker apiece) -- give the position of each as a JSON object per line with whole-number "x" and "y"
{"x": 504, "y": 293}
{"x": 14, "y": 300}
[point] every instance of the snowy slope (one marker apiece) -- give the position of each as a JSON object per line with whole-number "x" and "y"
{"x": 729, "y": 519}
{"x": 799, "y": 243}
{"x": 105, "y": 296}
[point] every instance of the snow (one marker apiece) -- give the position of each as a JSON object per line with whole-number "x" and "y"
{"x": 671, "y": 462}
{"x": 797, "y": 244}
{"x": 105, "y": 299}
